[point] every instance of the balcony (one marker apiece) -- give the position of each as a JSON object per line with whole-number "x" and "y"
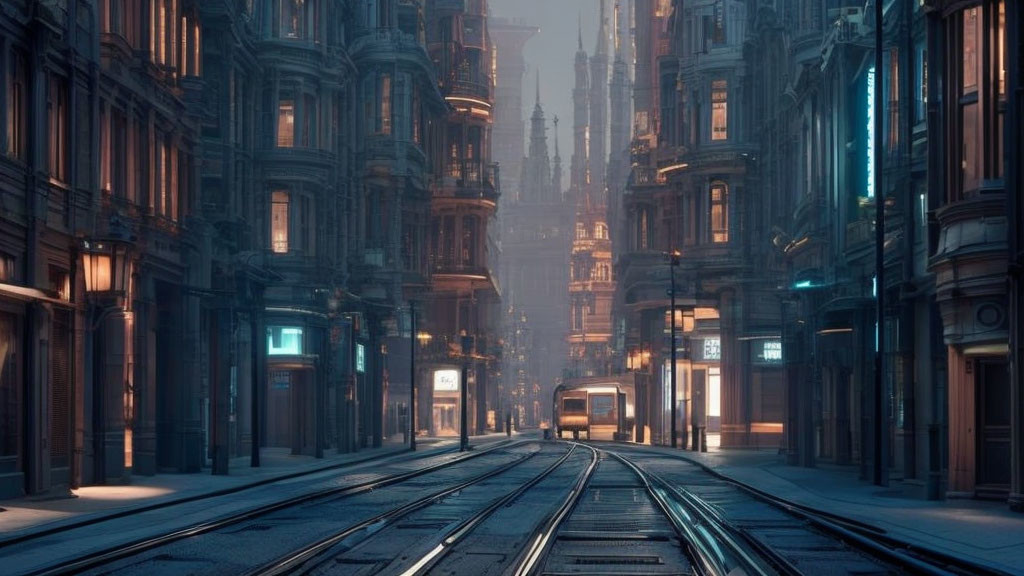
{"x": 480, "y": 91}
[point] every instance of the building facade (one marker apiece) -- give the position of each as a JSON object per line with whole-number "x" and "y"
{"x": 784, "y": 101}
{"x": 465, "y": 298}
{"x": 213, "y": 217}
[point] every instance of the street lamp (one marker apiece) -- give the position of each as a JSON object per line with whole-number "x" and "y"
{"x": 107, "y": 271}
{"x": 673, "y": 263}
{"x": 467, "y": 349}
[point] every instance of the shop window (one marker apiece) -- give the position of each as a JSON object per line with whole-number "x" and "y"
{"x": 17, "y": 110}
{"x": 10, "y": 387}
{"x": 719, "y": 110}
{"x": 57, "y": 127}
{"x": 719, "y": 212}
{"x": 284, "y": 340}
{"x": 279, "y": 222}
{"x": 286, "y": 124}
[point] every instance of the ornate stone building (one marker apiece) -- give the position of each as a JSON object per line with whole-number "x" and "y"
{"x": 591, "y": 284}
{"x": 213, "y": 214}
{"x": 465, "y": 297}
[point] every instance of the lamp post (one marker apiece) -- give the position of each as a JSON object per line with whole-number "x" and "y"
{"x": 412, "y": 376}
{"x": 467, "y": 349}
{"x": 673, "y": 262}
{"x": 881, "y": 428}
{"x": 107, "y": 271}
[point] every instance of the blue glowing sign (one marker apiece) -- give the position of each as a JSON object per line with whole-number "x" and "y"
{"x": 871, "y": 133}
{"x": 360, "y": 358}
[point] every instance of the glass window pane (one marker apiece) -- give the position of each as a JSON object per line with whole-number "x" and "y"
{"x": 279, "y": 222}
{"x": 969, "y": 160}
{"x": 286, "y": 124}
{"x": 971, "y": 53}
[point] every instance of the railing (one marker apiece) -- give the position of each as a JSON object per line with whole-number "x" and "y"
{"x": 478, "y": 90}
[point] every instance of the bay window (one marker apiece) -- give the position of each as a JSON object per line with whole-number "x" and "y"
{"x": 977, "y": 100}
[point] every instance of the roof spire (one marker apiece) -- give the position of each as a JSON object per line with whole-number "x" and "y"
{"x": 602, "y": 32}
{"x": 538, "y": 86}
{"x": 579, "y": 29}
{"x": 557, "y": 155}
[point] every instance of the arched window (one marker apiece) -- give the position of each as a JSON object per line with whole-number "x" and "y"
{"x": 719, "y": 202}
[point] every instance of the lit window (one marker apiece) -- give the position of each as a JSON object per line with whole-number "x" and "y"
{"x": 894, "y": 100}
{"x": 971, "y": 54}
{"x": 719, "y": 213}
{"x": 385, "y": 104}
{"x": 279, "y": 222}
{"x": 284, "y": 341}
{"x": 1001, "y": 39}
{"x": 417, "y": 114}
{"x": 57, "y": 127}
{"x": 16, "y": 111}
{"x": 293, "y": 18}
{"x": 719, "y": 110}
{"x": 286, "y": 124}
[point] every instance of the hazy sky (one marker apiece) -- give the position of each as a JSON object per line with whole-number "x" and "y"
{"x": 553, "y": 50}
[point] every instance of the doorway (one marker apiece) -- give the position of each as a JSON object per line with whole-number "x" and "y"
{"x": 993, "y": 464}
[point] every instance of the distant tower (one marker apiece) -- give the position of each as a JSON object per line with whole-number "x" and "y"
{"x": 556, "y": 172}
{"x": 579, "y": 177}
{"x": 536, "y": 179}
{"x": 621, "y": 113}
{"x": 599, "y": 108}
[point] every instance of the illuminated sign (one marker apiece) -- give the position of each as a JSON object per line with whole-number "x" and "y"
{"x": 768, "y": 351}
{"x": 871, "y": 133}
{"x": 712, "y": 348}
{"x": 360, "y": 358}
{"x": 446, "y": 381}
{"x": 284, "y": 341}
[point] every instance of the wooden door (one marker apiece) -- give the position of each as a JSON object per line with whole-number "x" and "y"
{"x": 993, "y": 389}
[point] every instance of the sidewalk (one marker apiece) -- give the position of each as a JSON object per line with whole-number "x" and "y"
{"x": 42, "y": 513}
{"x": 985, "y": 532}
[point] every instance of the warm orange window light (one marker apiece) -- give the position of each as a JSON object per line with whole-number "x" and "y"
{"x": 286, "y": 124}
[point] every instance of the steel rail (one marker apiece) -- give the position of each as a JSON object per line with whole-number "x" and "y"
{"x": 870, "y": 539}
{"x": 92, "y": 521}
{"x": 457, "y": 534}
{"x": 309, "y": 557}
{"x": 704, "y": 533}
{"x": 102, "y": 557}
{"x": 527, "y": 561}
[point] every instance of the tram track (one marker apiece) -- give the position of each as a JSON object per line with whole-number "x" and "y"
{"x": 375, "y": 481}
{"x": 795, "y": 539}
{"x": 590, "y": 532}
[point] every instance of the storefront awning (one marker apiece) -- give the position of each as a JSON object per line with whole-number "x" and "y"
{"x": 27, "y": 294}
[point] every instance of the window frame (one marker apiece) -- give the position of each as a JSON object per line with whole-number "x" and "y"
{"x": 718, "y": 225}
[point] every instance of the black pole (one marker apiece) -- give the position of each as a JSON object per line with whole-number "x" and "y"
{"x": 412, "y": 377}
{"x": 254, "y": 384}
{"x": 467, "y": 346}
{"x": 673, "y": 260}
{"x": 879, "y": 397}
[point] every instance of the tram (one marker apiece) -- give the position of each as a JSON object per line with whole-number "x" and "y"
{"x": 595, "y": 409}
